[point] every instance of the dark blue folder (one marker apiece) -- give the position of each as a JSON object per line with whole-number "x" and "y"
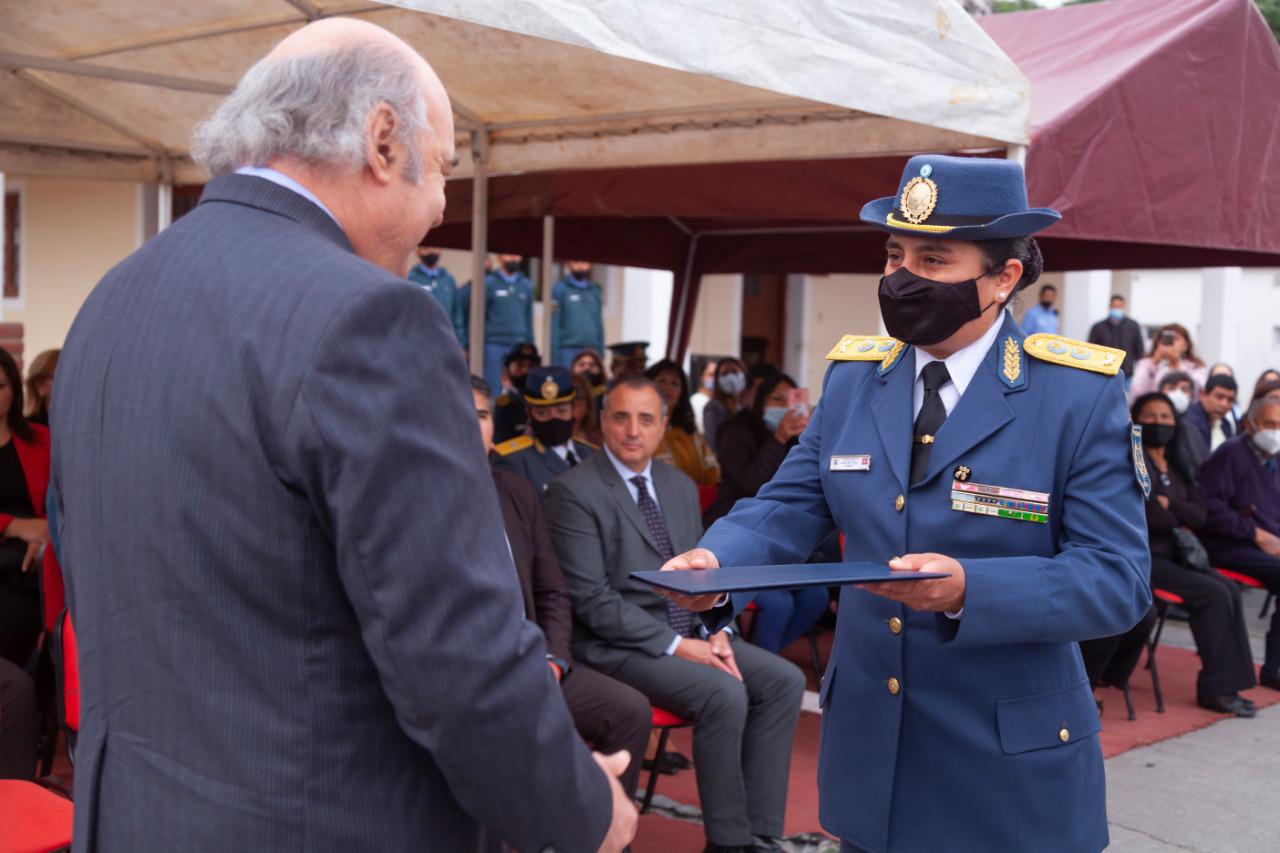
{"x": 796, "y": 575}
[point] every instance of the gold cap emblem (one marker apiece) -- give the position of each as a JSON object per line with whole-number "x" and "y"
{"x": 550, "y": 389}
{"x": 919, "y": 198}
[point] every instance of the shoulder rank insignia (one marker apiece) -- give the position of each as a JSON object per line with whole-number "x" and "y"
{"x": 1060, "y": 350}
{"x": 502, "y": 400}
{"x": 863, "y": 348}
{"x": 1140, "y": 461}
{"x": 513, "y": 445}
{"x": 586, "y": 443}
{"x": 1009, "y": 367}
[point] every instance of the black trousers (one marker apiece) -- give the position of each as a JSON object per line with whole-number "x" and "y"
{"x": 1217, "y": 624}
{"x": 1260, "y": 565}
{"x": 19, "y": 621}
{"x": 1110, "y": 661}
{"x": 17, "y": 723}
{"x": 610, "y": 715}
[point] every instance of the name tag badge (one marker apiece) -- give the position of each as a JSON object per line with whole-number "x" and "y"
{"x": 573, "y": 297}
{"x": 502, "y": 293}
{"x": 859, "y": 462}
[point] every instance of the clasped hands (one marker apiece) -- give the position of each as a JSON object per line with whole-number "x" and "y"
{"x": 938, "y": 595}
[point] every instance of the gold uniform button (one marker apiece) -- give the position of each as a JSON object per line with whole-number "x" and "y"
{"x": 1064, "y": 735}
{"x": 895, "y": 625}
{"x": 894, "y": 686}
{"x": 899, "y": 502}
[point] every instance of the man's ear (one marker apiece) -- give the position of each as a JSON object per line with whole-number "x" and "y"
{"x": 382, "y": 150}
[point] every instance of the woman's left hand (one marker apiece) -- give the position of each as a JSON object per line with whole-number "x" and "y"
{"x": 940, "y": 595}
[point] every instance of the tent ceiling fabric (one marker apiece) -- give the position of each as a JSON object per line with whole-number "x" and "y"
{"x": 112, "y": 88}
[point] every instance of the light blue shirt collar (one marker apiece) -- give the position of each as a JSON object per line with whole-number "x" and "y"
{"x": 626, "y": 474}
{"x": 283, "y": 180}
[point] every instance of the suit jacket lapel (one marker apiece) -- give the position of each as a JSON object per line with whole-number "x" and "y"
{"x": 621, "y": 495}
{"x": 891, "y": 413}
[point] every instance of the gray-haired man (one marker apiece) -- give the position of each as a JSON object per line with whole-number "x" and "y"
{"x": 284, "y": 574}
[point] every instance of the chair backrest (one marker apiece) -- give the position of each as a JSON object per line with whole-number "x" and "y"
{"x": 53, "y": 595}
{"x": 68, "y": 676}
{"x": 706, "y": 497}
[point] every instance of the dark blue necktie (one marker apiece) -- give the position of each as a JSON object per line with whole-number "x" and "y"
{"x": 680, "y": 619}
{"x": 929, "y": 421}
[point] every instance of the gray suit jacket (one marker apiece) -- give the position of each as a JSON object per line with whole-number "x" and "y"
{"x": 298, "y": 623}
{"x": 601, "y": 537}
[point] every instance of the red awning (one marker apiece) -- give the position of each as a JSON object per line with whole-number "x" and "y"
{"x": 1155, "y": 130}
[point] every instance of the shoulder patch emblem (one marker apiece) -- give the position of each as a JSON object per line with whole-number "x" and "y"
{"x": 1139, "y": 461}
{"x": 862, "y": 348}
{"x": 1060, "y": 350}
{"x": 513, "y": 445}
{"x": 891, "y": 358}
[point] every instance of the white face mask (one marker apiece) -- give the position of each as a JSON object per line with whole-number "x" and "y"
{"x": 733, "y": 383}
{"x": 1180, "y": 399}
{"x": 1268, "y": 441}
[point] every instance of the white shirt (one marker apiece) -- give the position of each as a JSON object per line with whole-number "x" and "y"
{"x": 961, "y": 365}
{"x": 281, "y": 179}
{"x": 563, "y": 452}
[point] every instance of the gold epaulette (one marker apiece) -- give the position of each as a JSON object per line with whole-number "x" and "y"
{"x": 863, "y": 348}
{"x": 502, "y": 400}
{"x": 513, "y": 445}
{"x": 1060, "y": 350}
{"x": 586, "y": 443}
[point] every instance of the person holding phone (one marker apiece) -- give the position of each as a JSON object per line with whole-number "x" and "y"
{"x": 1171, "y": 349}
{"x": 959, "y": 445}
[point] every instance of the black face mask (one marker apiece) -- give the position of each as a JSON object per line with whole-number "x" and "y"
{"x": 920, "y": 311}
{"x": 552, "y": 433}
{"x": 1157, "y": 435}
{"x": 512, "y": 267}
{"x": 581, "y": 275}
{"x": 431, "y": 258}
{"x": 517, "y": 382}
{"x": 595, "y": 377}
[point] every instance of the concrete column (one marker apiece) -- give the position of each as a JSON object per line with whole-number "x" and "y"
{"x": 1221, "y": 310}
{"x": 646, "y": 303}
{"x": 1083, "y": 301}
{"x": 3, "y": 234}
{"x": 794, "y": 362}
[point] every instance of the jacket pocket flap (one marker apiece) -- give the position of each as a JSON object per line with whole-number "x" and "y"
{"x": 1047, "y": 719}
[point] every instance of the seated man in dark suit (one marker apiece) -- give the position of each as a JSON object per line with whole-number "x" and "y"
{"x": 1241, "y": 487}
{"x": 618, "y": 512}
{"x": 608, "y": 713}
{"x": 551, "y": 449}
{"x": 1209, "y": 418}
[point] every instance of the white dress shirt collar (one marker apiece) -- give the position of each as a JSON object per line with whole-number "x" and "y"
{"x": 626, "y": 474}
{"x": 961, "y": 366}
{"x": 281, "y": 179}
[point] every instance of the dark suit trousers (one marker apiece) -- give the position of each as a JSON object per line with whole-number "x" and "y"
{"x": 742, "y": 733}
{"x": 609, "y": 714}
{"x": 1217, "y": 623}
{"x": 1261, "y": 566}
{"x": 1111, "y": 660}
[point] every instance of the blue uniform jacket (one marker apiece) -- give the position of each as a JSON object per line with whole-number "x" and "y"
{"x": 579, "y": 316}
{"x": 530, "y": 459}
{"x": 445, "y": 289}
{"x": 991, "y": 740}
{"x": 508, "y": 309}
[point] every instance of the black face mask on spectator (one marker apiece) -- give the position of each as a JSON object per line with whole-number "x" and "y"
{"x": 512, "y": 267}
{"x": 581, "y": 275}
{"x": 1157, "y": 435}
{"x": 517, "y": 382}
{"x": 595, "y": 377}
{"x": 552, "y": 433}
{"x": 431, "y": 258}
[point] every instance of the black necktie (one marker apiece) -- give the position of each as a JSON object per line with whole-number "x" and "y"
{"x": 678, "y": 618}
{"x": 929, "y": 421}
{"x": 570, "y": 458}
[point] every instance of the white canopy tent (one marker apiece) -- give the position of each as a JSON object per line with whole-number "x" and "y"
{"x": 111, "y": 89}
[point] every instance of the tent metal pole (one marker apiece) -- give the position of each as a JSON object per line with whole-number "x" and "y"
{"x": 544, "y": 270}
{"x": 3, "y": 233}
{"x": 682, "y": 309}
{"x": 479, "y": 244}
{"x": 164, "y": 195}
{"x": 1017, "y": 153}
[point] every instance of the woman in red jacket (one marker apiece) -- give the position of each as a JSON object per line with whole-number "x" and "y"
{"x": 24, "y": 478}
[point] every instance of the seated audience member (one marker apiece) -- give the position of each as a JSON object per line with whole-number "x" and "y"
{"x": 1268, "y": 383}
{"x": 1175, "y": 511}
{"x": 619, "y": 512}
{"x": 1171, "y": 349}
{"x": 509, "y": 416}
{"x": 1241, "y": 488}
{"x": 586, "y": 413}
{"x": 726, "y": 400}
{"x": 753, "y": 444}
{"x": 608, "y": 713}
{"x": 682, "y": 446}
{"x": 551, "y": 448}
{"x": 628, "y": 358}
{"x": 24, "y": 479}
{"x": 1209, "y": 419}
{"x": 1181, "y": 390}
{"x": 40, "y": 386}
{"x": 705, "y": 369}
{"x": 18, "y": 730}
{"x": 587, "y": 363}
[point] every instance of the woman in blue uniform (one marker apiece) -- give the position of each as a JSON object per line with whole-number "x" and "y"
{"x": 957, "y": 714}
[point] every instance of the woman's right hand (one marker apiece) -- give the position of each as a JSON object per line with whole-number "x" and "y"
{"x": 32, "y": 530}
{"x": 793, "y": 423}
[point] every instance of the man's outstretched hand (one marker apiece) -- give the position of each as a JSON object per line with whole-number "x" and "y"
{"x": 698, "y": 558}
{"x": 622, "y": 828}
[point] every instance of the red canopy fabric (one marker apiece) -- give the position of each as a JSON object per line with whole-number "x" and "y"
{"x": 1155, "y": 130}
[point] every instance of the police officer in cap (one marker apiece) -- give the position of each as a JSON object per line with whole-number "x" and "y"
{"x": 628, "y": 358}
{"x": 509, "y": 417}
{"x": 551, "y": 449}
{"x": 956, "y": 712}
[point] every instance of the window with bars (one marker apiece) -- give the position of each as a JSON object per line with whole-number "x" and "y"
{"x": 12, "y": 236}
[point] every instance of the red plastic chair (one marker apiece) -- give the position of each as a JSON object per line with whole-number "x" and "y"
{"x": 664, "y": 722}
{"x": 67, "y": 669}
{"x": 1163, "y": 598}
{"x": 35, "y": 820}
{"x": 1252, "y": 582}
{"x": 706, "y": 497}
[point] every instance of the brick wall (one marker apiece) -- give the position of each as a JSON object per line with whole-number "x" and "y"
{"x": 11, "y": 340}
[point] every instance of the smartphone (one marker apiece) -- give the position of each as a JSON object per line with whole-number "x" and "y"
{"x": 1167, "y": 339}
{"x": 798, "y": 400}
